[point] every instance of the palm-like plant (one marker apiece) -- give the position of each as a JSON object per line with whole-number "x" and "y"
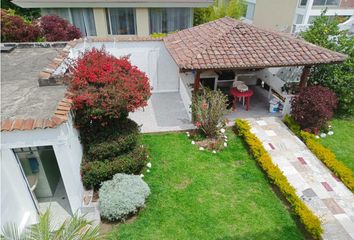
{"x": 75, "y": 228}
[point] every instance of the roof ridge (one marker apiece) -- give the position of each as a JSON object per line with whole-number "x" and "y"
{"x": 291, "y": 37}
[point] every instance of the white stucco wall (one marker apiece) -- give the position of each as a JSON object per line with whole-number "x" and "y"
{"x": 16, "y": 200}
{"x": 151, "y": 57}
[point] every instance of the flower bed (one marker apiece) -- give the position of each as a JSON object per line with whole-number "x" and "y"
{"x": 322, "y": 153}
{"x": 311, "y": 222}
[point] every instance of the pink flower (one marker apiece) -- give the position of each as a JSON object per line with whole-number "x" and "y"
{"x": 198, "y": 124}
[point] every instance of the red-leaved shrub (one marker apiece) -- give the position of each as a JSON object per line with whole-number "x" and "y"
{"x": 313, "y": 107}
{"x": 55, "y": 28}
{"x": 106, "y": 88}
{"x": 16, "y": 29}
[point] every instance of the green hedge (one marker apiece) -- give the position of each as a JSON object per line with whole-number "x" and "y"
{"x": 96, "y": 172}
{"x": 322, "y": 153}
{"x": 310, "y": 221}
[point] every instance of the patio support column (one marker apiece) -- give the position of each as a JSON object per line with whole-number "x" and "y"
{"x": 197, "y": 81}
{"x": 304, "y": 77}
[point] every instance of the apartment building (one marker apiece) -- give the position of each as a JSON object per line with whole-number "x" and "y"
{"x": 295, "y": 15}
{"x": 121, "y": 17}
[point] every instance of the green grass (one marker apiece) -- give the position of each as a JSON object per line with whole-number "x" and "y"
{"x": 201, "y": 195}
{"x": 342, "y": 142}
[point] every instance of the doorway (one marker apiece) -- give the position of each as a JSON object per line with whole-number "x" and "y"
{"x": 40, "y": 169}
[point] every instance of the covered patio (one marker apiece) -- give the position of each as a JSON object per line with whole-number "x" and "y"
{"x": 243, "y": 60}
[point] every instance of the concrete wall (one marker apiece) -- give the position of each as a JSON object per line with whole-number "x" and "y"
{"x": 276, "y": 14}
{"x": 150, "y": 57}
{"x": 16, "y": 202}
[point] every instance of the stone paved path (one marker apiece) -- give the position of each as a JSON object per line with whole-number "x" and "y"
{"x": 325, "y": 195}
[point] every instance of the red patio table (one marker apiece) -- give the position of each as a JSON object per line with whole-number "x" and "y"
{"x": 236, "y": 93}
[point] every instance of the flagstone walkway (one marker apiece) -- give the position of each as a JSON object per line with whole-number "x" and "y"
{"x": 325, "y": 195}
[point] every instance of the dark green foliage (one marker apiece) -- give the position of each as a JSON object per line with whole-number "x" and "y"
{"x": 232, "y": 8}
{"x": 93, "y": 132}
{"x": 290, "y": 122}
{"x": 108, "y": 150}
{"x": 338, "y": 77}
{"x": 31, "y": 13}
{"x": 94, "y": 173}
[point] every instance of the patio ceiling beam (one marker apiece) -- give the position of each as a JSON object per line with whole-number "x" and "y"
{"x": 304, "y": 76}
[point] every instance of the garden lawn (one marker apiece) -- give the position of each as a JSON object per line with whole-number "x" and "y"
{"x": 342, "y": 142}
{"x": 201, "y": 195}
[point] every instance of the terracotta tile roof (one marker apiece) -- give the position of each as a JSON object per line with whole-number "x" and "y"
{"x": 60, "y": 116}
{"x": 228, "y": 43}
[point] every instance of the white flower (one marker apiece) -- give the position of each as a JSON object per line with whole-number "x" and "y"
{"x": 225, "y": 144}
{"x": 201, "y": 149}
{"x": 323, "y": 135}
{"x": 141, "y": 175}
{"x": 148, "y": 164}
{"x": 214, "y": 151}
{"x": 225, "y": 140}
{"x": 222, "y": 130}
{"x": 225, "y": 137}
{"x": 330, "y": 133}
{"x": 193, "y": 142}
{"x": 329, "y": 126}
{"x": 317, "y": 136}
{"x": 148, "y": 170}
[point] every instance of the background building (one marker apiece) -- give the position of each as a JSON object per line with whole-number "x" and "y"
{"x": 296, "y": 15}
{"x": 121, "y": 17}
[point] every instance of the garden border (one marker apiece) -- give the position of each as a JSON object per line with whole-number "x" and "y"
{"x": 310, "y": 221}
{"x": 325, "y": 155}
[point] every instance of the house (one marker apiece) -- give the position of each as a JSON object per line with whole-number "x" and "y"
{"x": 296, "y": 15}
{"x": 40, "y": 149}
{"x": 37, "y": 126}
{"x": 121, "y": 17}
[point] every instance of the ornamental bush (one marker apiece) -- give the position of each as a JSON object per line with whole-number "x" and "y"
{"x": 313, "y": 107}
{"x": 310, "y": 221}
{"x": 122, "y": 196}
{"x": 106, "y": 88}
{"x": 209, "y": 108}
{"x": 96, "y": 172}
{"x": 55, "y": 28}
{"x": 16, "y": 29}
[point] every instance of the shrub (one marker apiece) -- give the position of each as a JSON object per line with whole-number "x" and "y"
{"x": 209, "y": 109}
{"x": 323, "y": 154}
{"x": 58, "y": 29}
{"x": 290, "y": 122}
{"x": 122, "y": 196}
{"x": 106, "y": 88}
{"x": 313, "y": 107}
{"x": 311, "y": 222}
{"x": 17, "y": 29}
{"x": 110, "y": 149}
{"x": 96, "y": 172}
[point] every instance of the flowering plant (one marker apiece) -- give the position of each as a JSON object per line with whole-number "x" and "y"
{"x": 209, "y": 108}
{"x": 106, "y": 88}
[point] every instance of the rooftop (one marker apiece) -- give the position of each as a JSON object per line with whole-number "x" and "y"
{"x": 228, "y": 43}
{"x": 21, "y": 97}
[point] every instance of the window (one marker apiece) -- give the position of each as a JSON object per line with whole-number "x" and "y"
{"x": 82, "y": 18}
{"x": 250, "y": 11}
{"x": 303, "y": 3}
{"x": 121, "y": 21}
{"x": 165, "y": 20}
{"x": 299, "y": 19}
{"x": 325, "y": 2}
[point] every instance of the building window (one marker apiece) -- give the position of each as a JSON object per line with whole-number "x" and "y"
{"x": 299, "y": 18}
{"x": 165, "y": 20}
{"x": 82, "y": 18}
{"x": 250, "y": 10}
{"x": 325, "y": 2}
{"x": 302, "y": 3}
{"x": 121, "y": 21}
